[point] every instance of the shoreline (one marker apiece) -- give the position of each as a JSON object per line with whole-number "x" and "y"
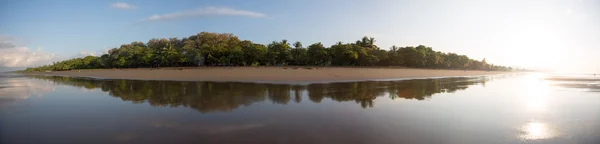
{"x": 288, "y": 74}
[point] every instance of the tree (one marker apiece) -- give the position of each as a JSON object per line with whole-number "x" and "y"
{"x": 278, "y": 53}
{"x": 254, "y": 54}
{"x": 343, "y": 55}
{"x": 91, "y": 62}
{"x": 224, "y": 49}
{"x": 318, "y": 55}
{"x": 395, "y": 57}
{"x": 382, "y": 56}
{"x": 297, "y": 44}
{"x": 298, "y": 54}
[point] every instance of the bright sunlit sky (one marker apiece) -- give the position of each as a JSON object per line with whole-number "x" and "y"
{"x": 562, "y": 35}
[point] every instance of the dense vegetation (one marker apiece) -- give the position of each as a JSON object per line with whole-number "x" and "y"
{"x": 225, "y": 96}
{"x": 215, "y": 49}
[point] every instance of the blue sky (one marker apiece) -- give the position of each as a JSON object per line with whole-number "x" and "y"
{"x": 527, "y": 33}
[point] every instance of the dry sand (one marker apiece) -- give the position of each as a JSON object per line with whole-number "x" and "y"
{"x": 266, "y": 74}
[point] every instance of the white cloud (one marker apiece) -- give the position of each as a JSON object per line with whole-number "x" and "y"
{"x": 6, "y": 42}
{"x": 12, "y": 55}
{"x": 121, "y": 5}
{"x": 84, "y": 53}
{"x": 208, "y": 11}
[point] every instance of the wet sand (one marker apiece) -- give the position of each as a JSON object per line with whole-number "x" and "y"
{"x": 265, "y": 74}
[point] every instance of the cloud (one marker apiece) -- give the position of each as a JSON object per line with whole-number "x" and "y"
{"x": 84, "y": 53}
{"x": 12, "y": 55}
{"x": 203, "y": 12}
{"x": 6, "y": 42}
{"x": 121, "y": 5}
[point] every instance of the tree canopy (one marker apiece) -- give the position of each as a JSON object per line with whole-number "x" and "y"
{"x": 224, "y": 49}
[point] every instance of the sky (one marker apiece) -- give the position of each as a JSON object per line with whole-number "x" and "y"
{"x": 562, "y": 35}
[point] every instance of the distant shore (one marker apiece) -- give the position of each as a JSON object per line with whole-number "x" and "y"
{"x": 266, "y": 74}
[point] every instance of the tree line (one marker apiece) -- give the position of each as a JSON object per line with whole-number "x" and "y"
{"x": 224, "y": 49}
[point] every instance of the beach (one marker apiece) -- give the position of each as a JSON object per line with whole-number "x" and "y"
{"x": 266, "y": 74}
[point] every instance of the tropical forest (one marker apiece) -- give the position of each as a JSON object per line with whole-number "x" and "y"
{"x": 224, "y": 49}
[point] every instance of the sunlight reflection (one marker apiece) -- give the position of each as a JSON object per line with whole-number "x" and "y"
{"x": 536, "y": 93}
{"x": 536, "y": 130}
{"x": 536, "y": 103}
{"x": 536, "y": 100}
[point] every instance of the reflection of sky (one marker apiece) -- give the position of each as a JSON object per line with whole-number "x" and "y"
{"x": 207, "y": 128}
{"x": 19, "y": 88}
{"x": 204, "y": 128}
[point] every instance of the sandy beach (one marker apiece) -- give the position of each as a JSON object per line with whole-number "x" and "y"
{"x": 265, "y": 74}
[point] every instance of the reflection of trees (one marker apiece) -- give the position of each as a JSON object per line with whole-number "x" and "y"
{"x": 226, "y": 96}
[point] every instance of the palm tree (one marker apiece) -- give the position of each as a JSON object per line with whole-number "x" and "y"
{"x": 372, "y": 42}
{"x": 297, "y": 44}
{"x": 365, "y": 41}
{"x": 284, "y": 41}
{"x": 394, "y": 48}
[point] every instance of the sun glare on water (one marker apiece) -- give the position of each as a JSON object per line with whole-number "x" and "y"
{"x": 535, "y": 95}
{"x": 535, "y": 98}
{"x": 536, "y": 130}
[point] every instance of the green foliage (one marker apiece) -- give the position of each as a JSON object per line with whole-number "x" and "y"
{"x": 223, "y": 49}
{"x": 278, "y": 53}
{"x": 318, "y": 55}
{"x": 343, "y": 54}
{"x": 299, "y": 55}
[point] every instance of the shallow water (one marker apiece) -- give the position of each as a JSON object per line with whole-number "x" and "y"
{"x": 515, "y": 108}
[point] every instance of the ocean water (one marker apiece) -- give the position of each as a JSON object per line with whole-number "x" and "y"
{"x": 510, "y": 108}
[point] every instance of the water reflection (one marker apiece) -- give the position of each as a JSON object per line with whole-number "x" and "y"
{"x": 536, "y": 131}
{"x": 578, "y": 82}
{"x": 15, "y": 88}
{"x": 536, "y": 95}
{"x": 220, "y": 96}
{"x": 511, "y": 109}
